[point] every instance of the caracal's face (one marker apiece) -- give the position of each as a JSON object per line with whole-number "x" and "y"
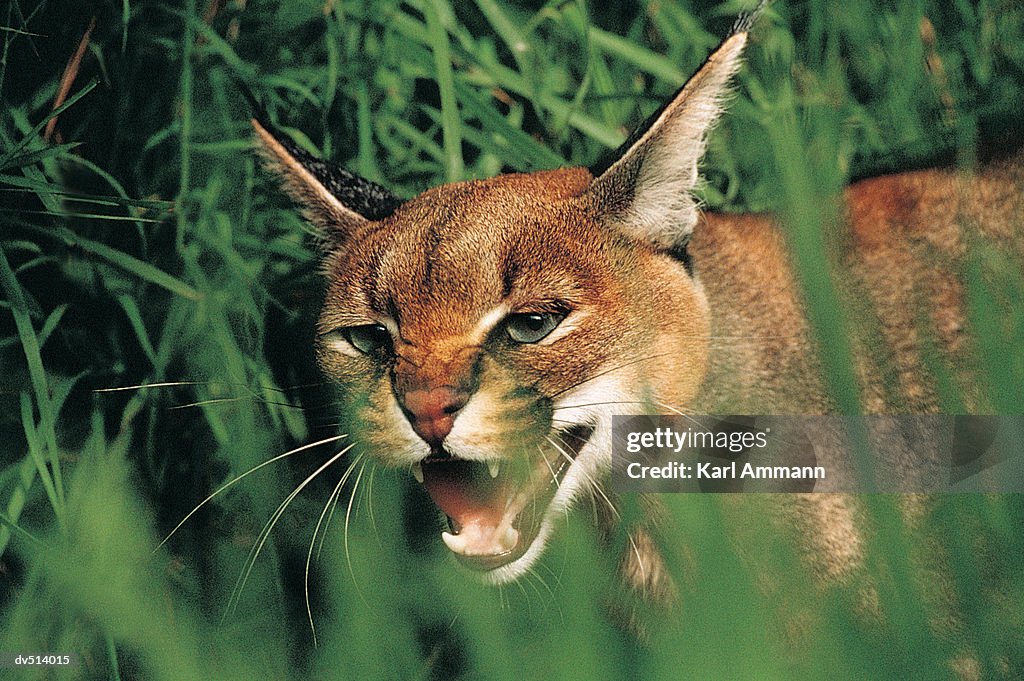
{"x": 483, "y": 335}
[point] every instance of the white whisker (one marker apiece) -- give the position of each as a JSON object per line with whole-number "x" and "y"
{"x": 348, "y": 518}
{"x": 241, "y": 477}
{"x": 593, "y": 483}
{"x": 369, "y": 500}
{"x": 268, "y": 527}
{"x": 554, "y": 476}
{"x": 331, "y": 502}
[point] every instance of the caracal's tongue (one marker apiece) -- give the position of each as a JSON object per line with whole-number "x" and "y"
{"x": 467, "y": 493}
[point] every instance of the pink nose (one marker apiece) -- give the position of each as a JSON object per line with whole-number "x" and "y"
{"x": 432, "y": 412}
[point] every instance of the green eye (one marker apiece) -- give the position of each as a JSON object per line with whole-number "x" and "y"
{"x": 368, "y": 338}
{"x": 530, "y": 327}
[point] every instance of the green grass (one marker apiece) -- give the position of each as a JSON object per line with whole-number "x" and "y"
{"x": 143, "y": 246}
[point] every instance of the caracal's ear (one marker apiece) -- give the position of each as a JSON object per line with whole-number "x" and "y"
{"x": 645, "y": 188}
{"x": 334, "y": 200}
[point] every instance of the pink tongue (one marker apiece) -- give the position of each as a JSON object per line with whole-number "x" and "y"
{"x": 465, "y": 492}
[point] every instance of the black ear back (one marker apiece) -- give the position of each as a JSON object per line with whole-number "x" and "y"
{"x": 333, "y": 199}
{"x": 368, "y": 199}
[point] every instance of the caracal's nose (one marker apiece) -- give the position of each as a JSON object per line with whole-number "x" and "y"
{"x": 432, "y": 412}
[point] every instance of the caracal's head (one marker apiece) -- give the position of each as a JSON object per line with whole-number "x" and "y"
{"x": 483, "y": 333}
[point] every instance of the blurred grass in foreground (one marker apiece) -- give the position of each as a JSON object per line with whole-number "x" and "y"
{"x": 140, "y": 245}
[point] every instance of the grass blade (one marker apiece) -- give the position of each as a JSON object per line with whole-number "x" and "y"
{"x": 451, "y": 120}
{"x": 129, "y": 263}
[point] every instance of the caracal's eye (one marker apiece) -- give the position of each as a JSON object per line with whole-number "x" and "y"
{"x": 531, "y": 327}
{"x": 369, "y": 339}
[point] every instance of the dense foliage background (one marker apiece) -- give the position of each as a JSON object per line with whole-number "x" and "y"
{"x": 157, "y": 294}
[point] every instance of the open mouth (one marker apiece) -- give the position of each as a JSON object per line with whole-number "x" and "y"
{"x": 495, "y": 508}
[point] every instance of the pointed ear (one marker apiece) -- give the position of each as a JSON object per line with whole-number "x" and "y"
{"x": 333, "y": 199}
{"x": 645, "y": 188}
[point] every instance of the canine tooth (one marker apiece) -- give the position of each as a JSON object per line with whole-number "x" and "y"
{"x": 509, "y": 538}
{"x": 455, "y": 542}
{"x": 417, "y": 472}
{"x": 493, "y": 467}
